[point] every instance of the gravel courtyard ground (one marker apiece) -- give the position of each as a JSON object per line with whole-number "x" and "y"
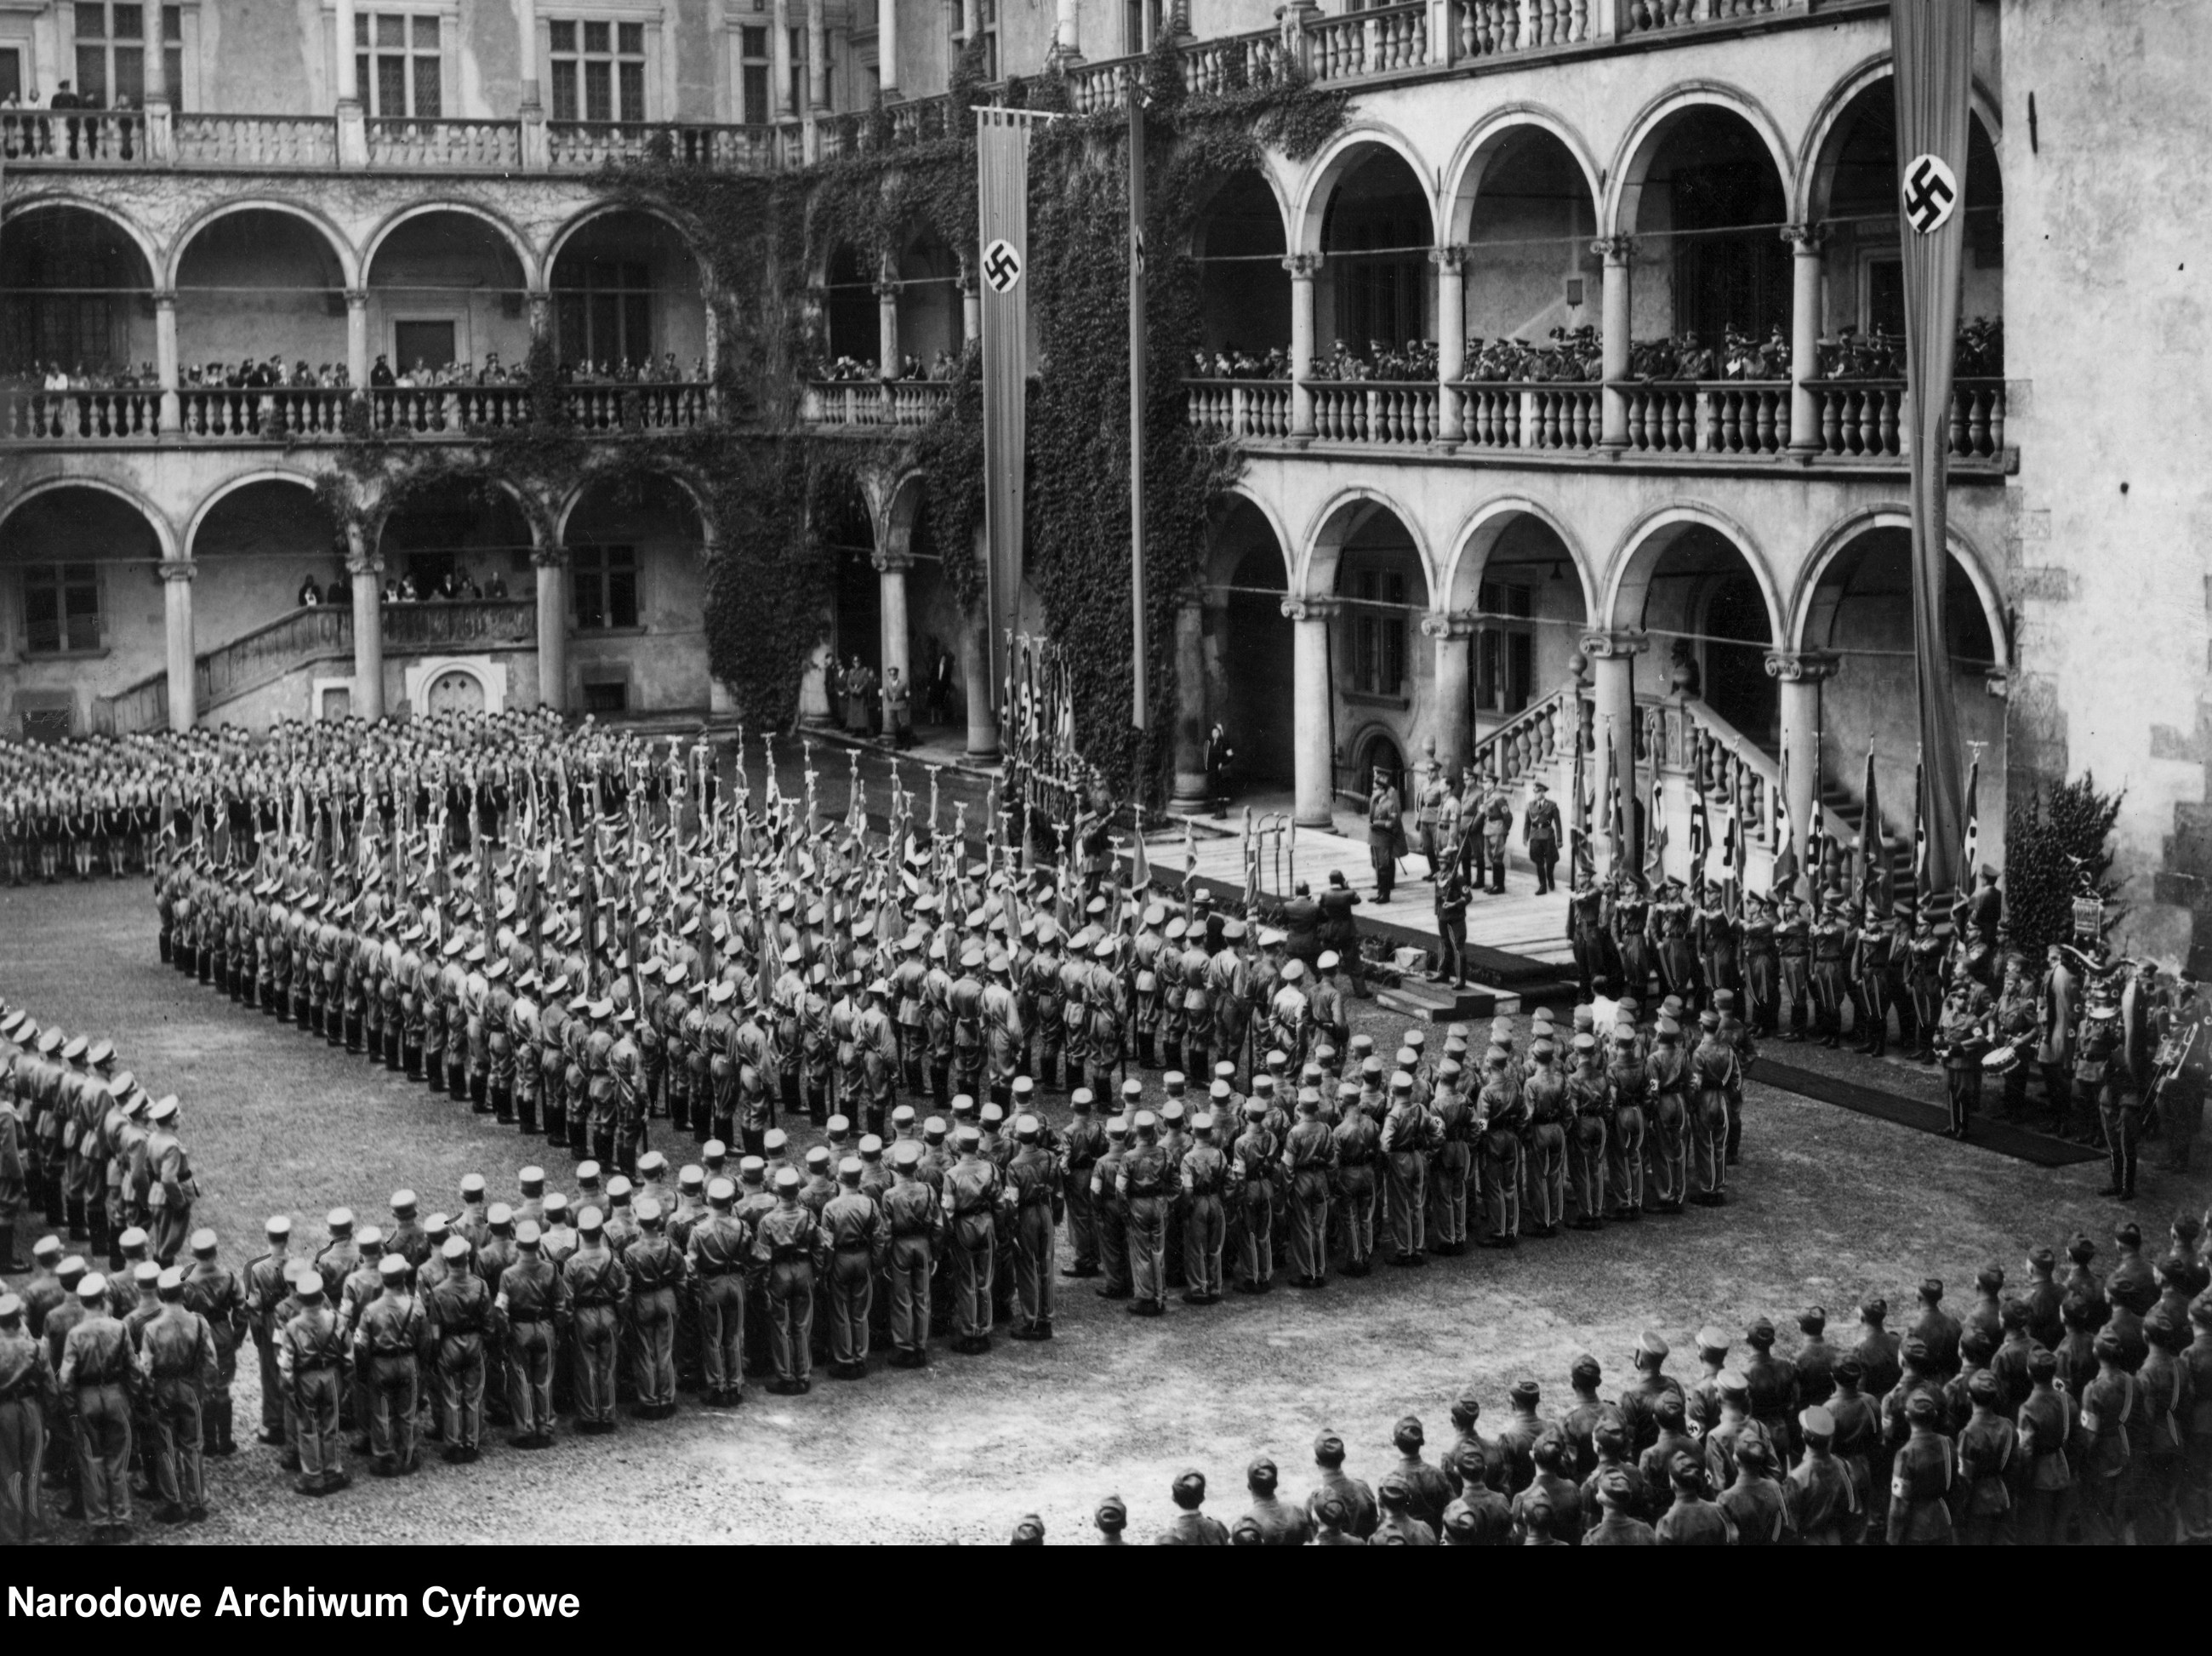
{"x": 1827, "y": 1207}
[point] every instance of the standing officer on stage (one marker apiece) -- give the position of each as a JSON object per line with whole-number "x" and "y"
{"x": 1540, "y": 834}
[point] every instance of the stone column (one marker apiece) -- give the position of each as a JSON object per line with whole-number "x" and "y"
{"x": 552, "y": 566}
{"x": 1800, "y": 674}
{"x": 1311, "y": 709}
{"x": 1452, "y": 722}
{"x": 1068, "y": 36}
{"x": 779, "y": 61}
{"x": 817, "y": 59}
{"x": 1804, "y": 242}
{"x": 367, "y": 569}
{"x": 165, "y": 356}
{"x": 525, "y": 19}
{"x": 1301, "y": 267}
{"x": 357, "y": 353}
{"x": 1612, "y": 656}
{"x": 975, "y": 672}
{"x": 887, "y": 332}
{"x": 353, "y": 127}
{"x": 890, "y": 588}
{"x": 887, "y": 48}
{"x": 177, "y": 574}
{"x": 1190, "y": 797}
{"x": 971, "y": 305}
{"x": 1451, "y": 340}
{"x": 1614, "y": 330}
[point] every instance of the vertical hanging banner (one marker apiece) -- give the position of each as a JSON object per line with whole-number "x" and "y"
{"x": 1935, "y": 47}
{"x": 1002, "y": 179}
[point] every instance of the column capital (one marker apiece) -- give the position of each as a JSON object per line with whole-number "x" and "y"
{"x": 1805, "y": 239}
{"x": 165, "y": 299}
{"x": 364, "y": 559}
{"x": 1312, "y": 609}
{"x": 1302, "y": 266}
{"x": 888, "y": 288}
{"x": 356, "y": 298}
{"x": 1619, "y": 646}
{"x": 1441, "y": 625}
{"x": 549, "y": 557}
{"x": 1450, "y": 257}
{"x": 177, "y": 569}
{"x": 1803, "y": 666}
{"x": 1614, "y": 249}
{"x": 892, "y": 562}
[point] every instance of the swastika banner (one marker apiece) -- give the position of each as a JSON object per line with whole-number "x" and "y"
{"x": 1002, "y": 158}
{"x": 1935, "y": 43}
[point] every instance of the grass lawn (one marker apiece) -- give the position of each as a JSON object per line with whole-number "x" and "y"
{"x": 1827, "y": 1207}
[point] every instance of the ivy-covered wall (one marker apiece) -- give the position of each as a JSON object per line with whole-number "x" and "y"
{"x": 768, "y": 483}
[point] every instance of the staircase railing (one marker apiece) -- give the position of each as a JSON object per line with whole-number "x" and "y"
{"x": 319, "y": 632}
{"x": 1532, "y": 740}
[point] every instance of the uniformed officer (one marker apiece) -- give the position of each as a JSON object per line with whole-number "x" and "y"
{"x": 597, "y": 1286}
{"x": 94, "y": 1377}
{"x": 786, "y": 1247}
{"x": 28, "y": 1399}
{"x": 657, "y": 1280}
{"x": 312, "y": 1360}
{"x": 850, "y": 1223}
{"x": 177, "y": 1368}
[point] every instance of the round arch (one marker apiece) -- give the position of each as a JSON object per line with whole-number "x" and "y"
{"x": 350, "y": 264}
{"x": 1345, "y": 515}
{"x": 230, "y": 486}
{"x": 1216, "y": 183}
{"x": 1478, "y": 535}
{"x": 1631, "y": 163}
{"x": 534, "y": 273}
{"x": 1347, "y": 151}
{"x": 591, "y": 480}
{"x": 687, "y": 233}
{"x": 1822, "y": 134}
{"x": 1838, "y": 539}
{"x": 60, "y": 201}
{"x": 1637, "y": 558}
{"x": 1235, "y": 496}
{"x": 1465, "y": 171}
{"x": 380, "y": 516}
{"x": 164, "y": 531}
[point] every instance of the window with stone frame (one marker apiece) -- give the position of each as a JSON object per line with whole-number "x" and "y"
{"x": 110, "y": 51}
{"x": 1378, "y": 633}
{"x": 399, "y": 64}
{"x": 61, "y": 608}
{"x": 598, "y": 69}
{"x": 604, "y": 580}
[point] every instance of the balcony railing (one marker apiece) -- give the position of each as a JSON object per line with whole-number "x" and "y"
{"x": 1707, "y": 417}
{"x": 875, "y": 402}
{"x": 274, "y": 141}
{"x": 468, "y": 145}
{"x": 639, "y": 407}
{"x": 588, "y": 146}
{"x": 1388, "y": 411}
{"x": 75, "y": 417}
{"x": 456, "y": 624}
{"x": 70, "y": 137}
{"x": 1239, "y": 408}
{"x": 1495, "y": 415}
{"x": 1871, "y": 419}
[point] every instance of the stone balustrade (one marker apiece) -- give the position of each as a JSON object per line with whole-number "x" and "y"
{"x": 874, "y": 402}
{"x": 1239, "y": 408}
{"x": 1387, "y": 411}
{"x": 1707, "y": 417}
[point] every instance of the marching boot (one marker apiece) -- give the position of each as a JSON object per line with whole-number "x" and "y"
{"x": 102, "y": 1236}
{"x": 165, "y": 937}
{"x": 1145, "y": 1042}
{"x": 503, "y": 1103}
{"x": 9, "y": 1263}
{"x": 1171, "y": 1052}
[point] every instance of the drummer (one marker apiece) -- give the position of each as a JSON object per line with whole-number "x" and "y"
{"x": 2016, "y": 1031}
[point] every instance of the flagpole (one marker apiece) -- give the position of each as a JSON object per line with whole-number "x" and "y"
{"x": 1137, "y": 666}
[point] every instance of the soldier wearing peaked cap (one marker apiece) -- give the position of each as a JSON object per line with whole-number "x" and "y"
{"x": 786, "y": 1249}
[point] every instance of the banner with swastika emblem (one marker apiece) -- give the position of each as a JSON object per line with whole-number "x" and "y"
{"x": 1934, "y": 44}
{"x": 1002, "y": 169}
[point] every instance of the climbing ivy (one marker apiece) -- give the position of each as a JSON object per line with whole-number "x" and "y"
{"x": 769, "y": 483}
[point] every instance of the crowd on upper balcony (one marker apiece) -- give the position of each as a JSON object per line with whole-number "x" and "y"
{"x": 1572, "y": 355}
{"x": 455, "y": 586}
{"x": 847, "y": 369}
{"x": 77, "y": 124}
